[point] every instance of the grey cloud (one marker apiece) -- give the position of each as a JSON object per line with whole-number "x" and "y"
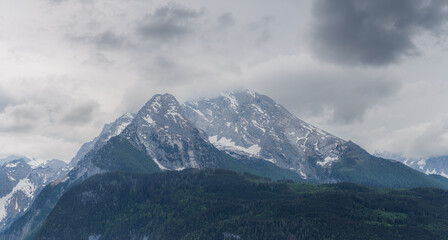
{"x": 168, "y": 23}
{"x": 21, "y": 118}
{"x": 341, "y": 98}
{"x": 57, "y": 1}
{"x": 80, "y": 114}
{"x": 104, "y": 40}
{"x": 5, "y": 99}
{"x": 431, "y": 141}
{"x": 17, "y": 127}
{"x": 108, "y": 40}
{"x": 375, "y": 33}
{"x": 226, "y": 20}
{"x": 262, "y": 28}
{"x": 426, "y": 139}
{"x": 164, "y": 62}
{"x": 26, "y": 113}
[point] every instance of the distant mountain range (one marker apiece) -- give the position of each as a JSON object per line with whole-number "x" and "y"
{"x": 21, "y": 181}
{"x": 240, "y": 131}
{"x": 432, "y": 165}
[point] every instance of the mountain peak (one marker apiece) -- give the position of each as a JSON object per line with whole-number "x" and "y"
{"x": 161, "y": 99}
{"x": 249, "y": 123}
{"x": 162, "y": 109}
{"x": 237, "y": 98}
{"x": 248, "y": 92}
{"x": 162, "y": 129}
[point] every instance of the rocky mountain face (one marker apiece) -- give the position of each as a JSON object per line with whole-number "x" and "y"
{"x": 21, "y": 182}
{"x": 74, "y": 172}
{"x": 252, "y": 124}
{"x": 432, "y": 165}
{"x": 159, "y": 137}
{"x": 172, "y": 141}
{"x": 436, "y": 165}
{"x": 109, "y": 130}
{"x": 12, "y": 158}
{"x": 241, "y": 131}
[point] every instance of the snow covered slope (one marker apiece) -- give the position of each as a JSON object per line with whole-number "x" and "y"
{"x": 20, "y": 182}
{"x": 252, "y": 124}
{"x": 171, "y": 140}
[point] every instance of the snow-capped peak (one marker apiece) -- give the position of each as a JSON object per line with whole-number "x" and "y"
{"x": 253, "y": 124}
{"x": 167, "y": 136}
{"x": 162, "y": 107}
{"x": 23, "y": 179}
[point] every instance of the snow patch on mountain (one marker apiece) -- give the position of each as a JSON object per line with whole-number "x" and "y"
{"x": 148, "y": 119}
{"x": 23, "y": 180}
{"x": 432, "y": 165}
{"x": 421, "y": 163}
{"x": 328, "y": 161}
{"x": 252, "y": 124}
{"x": 12, "y": 165}
{"x": 227, "y": 144}
{"x": 24, "y": 186}
{"x": 160, "y": 165}
{"x": 232, "y": 100}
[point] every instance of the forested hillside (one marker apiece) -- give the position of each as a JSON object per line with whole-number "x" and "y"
{"x": 219, "y": 204}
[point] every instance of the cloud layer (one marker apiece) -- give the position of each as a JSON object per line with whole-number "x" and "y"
{"x": 69, "y": 67}
{"x": 310, "y": 89}
{"x": 374, "y": 33}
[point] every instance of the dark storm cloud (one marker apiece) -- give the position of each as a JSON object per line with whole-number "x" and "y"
{"x": 80, "y": 114}
{"x": 168, "y": 23}
{"x": 375, "y": 33}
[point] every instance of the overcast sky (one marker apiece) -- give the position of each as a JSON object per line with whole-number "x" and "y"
{"x": 374, "y": 72}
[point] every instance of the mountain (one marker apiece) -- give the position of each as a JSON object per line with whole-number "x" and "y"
{"x": 436, "y": 165}
{"x": 12, "y": 158}
{"x": 432, "y": 165}
{"x": 109, "y": 130}
{"x": 246, "y": 123}
{"x": 27, "y": 224}
{"x": 159, "y": 137}
{"x": 252, "y": 124}
{"x": 241, "y": 131}
{"x": 358, "y": 166}
{"x": 20, "y": 182}
{"x": 218, "y": 204}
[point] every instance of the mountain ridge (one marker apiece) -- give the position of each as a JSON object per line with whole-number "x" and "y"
{"x": 428, "y": 165}
{"x": 158, "y": 134}
{"x": 22, "y": 181}
{"x": 253, "y": 124}
{"x": 167, "y": 136}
